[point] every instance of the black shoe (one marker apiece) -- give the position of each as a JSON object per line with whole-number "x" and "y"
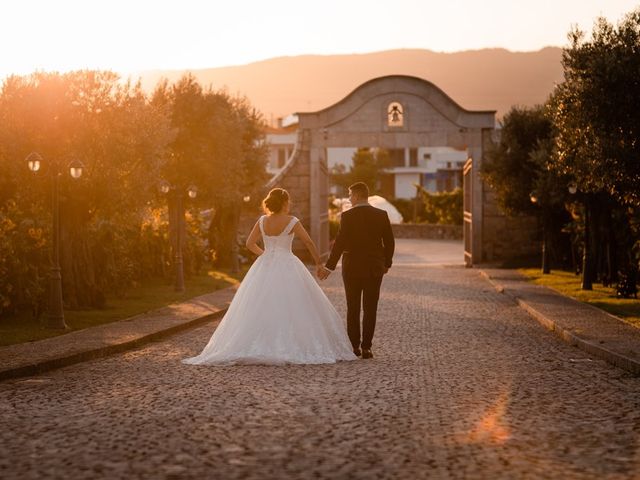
{"x": 366, "y": 353}
{"x": 357, "y": 352}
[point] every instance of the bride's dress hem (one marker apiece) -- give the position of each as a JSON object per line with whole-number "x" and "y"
{"x": 264, "y": 361}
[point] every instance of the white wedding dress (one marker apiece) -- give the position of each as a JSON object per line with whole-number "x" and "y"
{"x": 278, "y": 315}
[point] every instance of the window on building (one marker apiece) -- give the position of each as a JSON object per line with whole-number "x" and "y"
{"x": 429, "y": 182}
{"x": 448, "y": 184}
{"x": 413, "y": 157}
{"x": 395, "y": 115}
{"x": 396, "y": 157}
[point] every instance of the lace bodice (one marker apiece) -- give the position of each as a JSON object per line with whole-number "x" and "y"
{"x": 273, "y": 243}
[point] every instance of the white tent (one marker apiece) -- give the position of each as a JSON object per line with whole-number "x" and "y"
{"x": 377, "y": 201}
{"x": 394, "y": 215}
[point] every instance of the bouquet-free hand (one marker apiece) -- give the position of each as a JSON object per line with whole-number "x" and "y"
{"x": 322, "y": 272}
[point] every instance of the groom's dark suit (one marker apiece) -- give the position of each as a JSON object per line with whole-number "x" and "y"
{"x": 366, "y": 242}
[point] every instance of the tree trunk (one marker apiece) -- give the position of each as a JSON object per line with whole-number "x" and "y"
{"x": 587, "y": 255}
{"x": 546, "y": 222}
{"x": 78, "y": 271}
{"x": 612, "y": 250}
{"x": 223, "y": 233}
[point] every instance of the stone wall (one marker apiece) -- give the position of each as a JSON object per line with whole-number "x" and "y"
{"x": 427, "y": 231}
{"x": 296, "y": 182}
{"x": 506, "y": 238}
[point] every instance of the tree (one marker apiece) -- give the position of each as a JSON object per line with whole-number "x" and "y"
{"x": 596, "y": 109}
{"x": 512, "y": 167}
{"x": 368, "y": 167}
{"x": 87, "y": 115}
{"x": 113, "y": 221}
{"x": 518, "y": 170}
{"x": 219, "y": 147}
{"x": 252, "y": 177}
{"x": 596, "y": 112}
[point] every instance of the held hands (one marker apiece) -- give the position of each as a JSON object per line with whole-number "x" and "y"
{"x": 322, "y": 272}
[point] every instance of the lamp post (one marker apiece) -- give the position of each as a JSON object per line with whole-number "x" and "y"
{"x": 178, "y": 193}
{"x": 55, "y": 308}
{"x": 235, "y": 255}
{"x": 546, "y": 269}
{"x": 587, "y": 281}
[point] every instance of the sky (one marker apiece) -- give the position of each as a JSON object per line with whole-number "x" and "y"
{"x": 135, "y": 35}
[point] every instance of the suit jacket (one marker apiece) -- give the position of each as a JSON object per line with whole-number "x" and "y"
{"x": 365, "y": 241}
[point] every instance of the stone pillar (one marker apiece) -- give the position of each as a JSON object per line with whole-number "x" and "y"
{"x": 475, "y": 153}
{"x": 317, "y": 190}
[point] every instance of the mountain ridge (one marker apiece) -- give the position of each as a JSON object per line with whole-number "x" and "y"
{"x": 484, "y": 79}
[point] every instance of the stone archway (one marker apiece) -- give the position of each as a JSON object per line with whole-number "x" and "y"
{"x": 392, "y": 112}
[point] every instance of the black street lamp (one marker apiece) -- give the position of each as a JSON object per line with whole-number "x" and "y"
{"x": 55, "y": 309}
{"x": 545, "y": 247}
{"x": 178, "y": 195}
{"x": 235, "y": 254}
{"x": 587, "y": 281}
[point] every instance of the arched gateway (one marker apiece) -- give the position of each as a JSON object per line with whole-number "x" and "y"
{"x": 392, "y": 112}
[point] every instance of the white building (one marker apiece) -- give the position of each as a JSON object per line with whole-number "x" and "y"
{"x": 282, "y": 142}
{"x": 436, "y": 169}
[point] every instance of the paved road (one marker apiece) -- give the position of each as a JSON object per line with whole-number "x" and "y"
{"x": 429, "y": 252}
{"x": 463, "y": 385}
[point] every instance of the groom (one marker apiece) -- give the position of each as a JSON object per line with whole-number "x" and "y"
{"x": 366, "y": 242}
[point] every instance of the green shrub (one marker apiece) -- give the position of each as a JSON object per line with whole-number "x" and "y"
{"x": 410, "y": 209}
{"x": 443, "y": 208}
{"x": 23, "y": 261}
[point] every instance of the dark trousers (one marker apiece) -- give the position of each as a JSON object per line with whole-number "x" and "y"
{"x": 361, "y": 292}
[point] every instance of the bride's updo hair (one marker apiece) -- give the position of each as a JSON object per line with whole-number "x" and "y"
{"x": 275, "y": 201}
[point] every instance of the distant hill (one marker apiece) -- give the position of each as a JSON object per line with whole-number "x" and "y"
{"x": 490, "y": 79}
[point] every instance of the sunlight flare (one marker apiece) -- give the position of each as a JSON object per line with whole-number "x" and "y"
{"x": 492, "y": 426}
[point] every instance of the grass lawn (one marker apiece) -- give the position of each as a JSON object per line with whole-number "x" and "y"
{"x": 568, "y": 284}
{"x": 151, "y": 295}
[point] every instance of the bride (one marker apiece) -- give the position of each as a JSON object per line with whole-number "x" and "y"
{"x": 279, "y": 314}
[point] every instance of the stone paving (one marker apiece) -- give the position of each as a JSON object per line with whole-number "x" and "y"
{"x": 464, "y": 384}
{"x": 595, "y": 331}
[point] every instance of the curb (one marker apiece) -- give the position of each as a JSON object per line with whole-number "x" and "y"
{"x": 598, "y": 351}
{"x": 100, "y": 352}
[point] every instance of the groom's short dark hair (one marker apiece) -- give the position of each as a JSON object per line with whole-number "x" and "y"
{"x": 360, "y": 189}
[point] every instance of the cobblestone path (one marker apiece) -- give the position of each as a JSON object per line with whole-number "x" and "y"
{"x": 463, "y": 385}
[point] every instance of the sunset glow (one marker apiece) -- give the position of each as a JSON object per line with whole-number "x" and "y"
{"x": 141, "y": 35}
{"x": 492, "y": 427}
